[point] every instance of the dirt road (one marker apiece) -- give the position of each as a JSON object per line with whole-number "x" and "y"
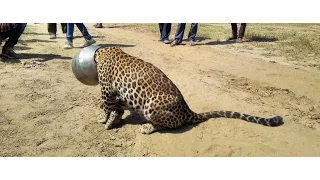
{"x": 45, "y": 111}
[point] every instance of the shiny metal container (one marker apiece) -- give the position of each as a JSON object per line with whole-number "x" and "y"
{"x": 84, "y": 67}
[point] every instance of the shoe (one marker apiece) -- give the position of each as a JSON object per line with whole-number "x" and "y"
{"x": 52, "y": 36}
{"x": 239, "y": 40}
{"x": 98, "y": 25}
{"x": 68, "y": 45}
{"x": 9, "y": 53}
{"x": 166, "y": 41}
{"x": 88, "y": 42}
{"x": 232, "y": 38}
{"x": 192, "y": 43}
{"x": 174, "y": 43}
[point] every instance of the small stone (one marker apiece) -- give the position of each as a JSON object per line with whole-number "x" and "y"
{"x": 112, "y": 138}
{"x": 272, "y": 61}
{"x": 286, "y": 91}
{"x": 100, "y": 145}
{"x": 311, "y": 108}
{"x": 30, "y": 95}
{"x": 117, "y": 144}
{"x": 129, "y": 143}
{"x": 315, "y": 116}
{"x": 116, "y": 130}
{"x": 309, "y": 116}
{"x": 23, "y": 63}
{"x": 76, "y": 104}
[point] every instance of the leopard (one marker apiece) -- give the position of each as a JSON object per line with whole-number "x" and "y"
{"x": 130, "y": 83}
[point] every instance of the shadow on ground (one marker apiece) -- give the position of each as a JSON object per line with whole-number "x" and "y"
{"x": 135, "y": 119}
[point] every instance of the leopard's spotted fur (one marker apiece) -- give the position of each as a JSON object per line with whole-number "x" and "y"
{"x": 129, "y": 82}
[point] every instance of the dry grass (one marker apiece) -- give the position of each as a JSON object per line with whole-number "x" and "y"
{"x": 296, "y": 42}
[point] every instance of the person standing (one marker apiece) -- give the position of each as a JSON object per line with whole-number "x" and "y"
{"x": 165, "y": 29}
{"x": 12, "y": 31}
{"x": 180, "y": 32}
{"x": 234, "y": 29}
{"x": 88, "y": 40}
{"x": 52, "y": 29}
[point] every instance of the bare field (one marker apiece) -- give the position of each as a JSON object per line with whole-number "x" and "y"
{"x": 45, "y": 111}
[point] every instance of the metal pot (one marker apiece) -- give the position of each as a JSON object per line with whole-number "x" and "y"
{"x": 84, "y": 67}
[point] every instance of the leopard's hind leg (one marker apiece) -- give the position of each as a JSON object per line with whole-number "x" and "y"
{"x": 161, "y": 120}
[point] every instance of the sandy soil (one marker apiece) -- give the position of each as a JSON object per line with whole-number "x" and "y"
{"x": 45, "y": 111}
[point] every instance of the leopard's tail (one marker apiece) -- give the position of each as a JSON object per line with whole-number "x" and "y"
{"x": 201, "y": 117}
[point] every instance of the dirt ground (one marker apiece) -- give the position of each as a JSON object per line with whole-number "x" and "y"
{"x": 45, "y": 111}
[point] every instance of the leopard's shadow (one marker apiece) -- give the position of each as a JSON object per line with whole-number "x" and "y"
{"x": 135, "y": 118}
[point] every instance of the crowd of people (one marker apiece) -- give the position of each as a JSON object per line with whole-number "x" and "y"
{"x": 13, "y": 31}
{"x": 165, "y": 29}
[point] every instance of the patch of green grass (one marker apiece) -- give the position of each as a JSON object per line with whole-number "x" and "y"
{"x": 257, "y": 37}
{"x": 294, "y": 41}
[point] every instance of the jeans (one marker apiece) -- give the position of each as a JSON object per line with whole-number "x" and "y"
{"x": 52, "y": 28}
{"x": 16, "y": 29}
{"x": 165, "y": 29}
{"x": 192, "y": 32}
{"x": 235, "y": 30}
{"x": 81, "y": 27}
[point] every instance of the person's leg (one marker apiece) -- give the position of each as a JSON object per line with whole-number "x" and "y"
{"x": 234, "y": 29}
{"x": 166, "y": 31}
{"x": 82, "y": 28}
{"x": 64, "y": 27}
{"x": 192, "y": 33}
{"x": 14, "y": 34}
{"x": 161, "y": 29}
{"x": 88, "y": 38}
{"x": 52, "y": 30}
{"x": 69, "y": 36}
{"x": 242, "y": 31}
{"x": 179, "y": 34}
{"x": 70, "y": 30}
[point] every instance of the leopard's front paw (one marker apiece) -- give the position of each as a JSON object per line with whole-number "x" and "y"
{"x": 114, "y": 119}
{"x": 102, "y": 118}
